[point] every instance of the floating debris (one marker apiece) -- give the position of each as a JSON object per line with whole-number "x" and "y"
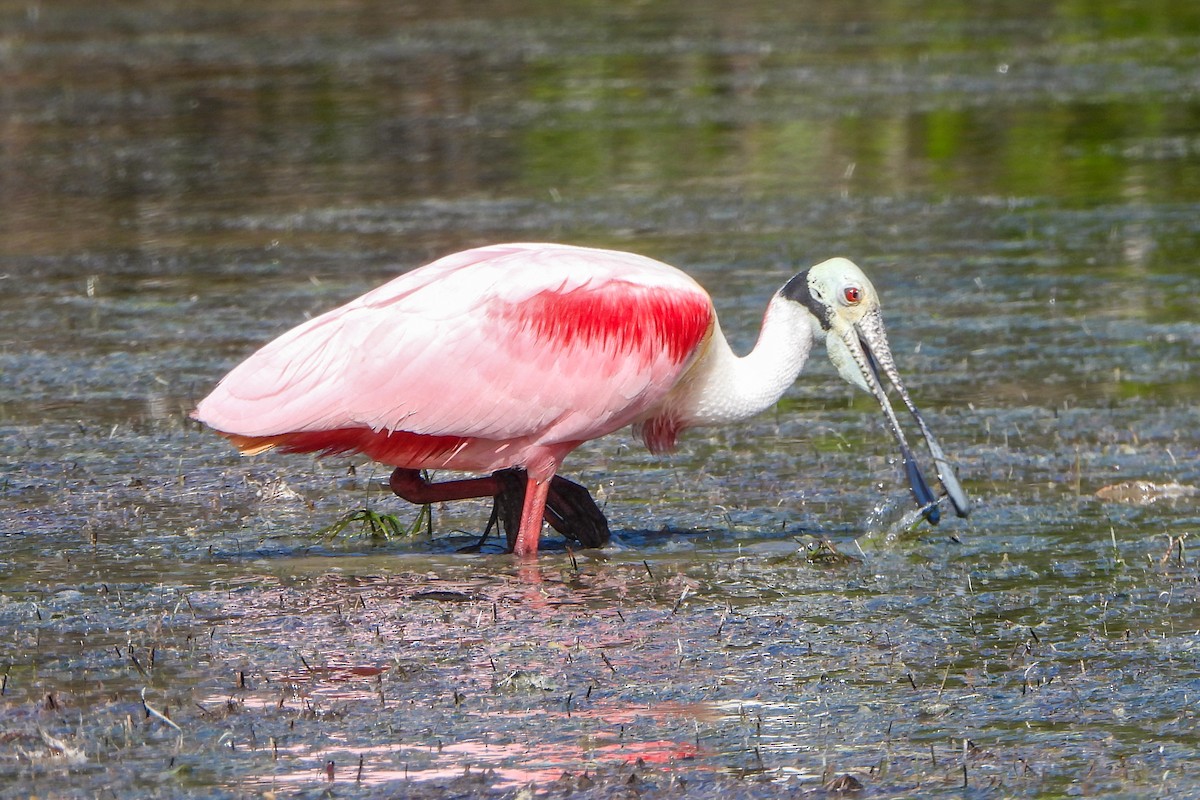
{"x": 526, "y": 681}
{"x": 444, "y": 596}
{"x": 1143, "y": 493}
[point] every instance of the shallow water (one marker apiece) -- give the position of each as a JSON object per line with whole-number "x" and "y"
{"x": 1022, "y": 182}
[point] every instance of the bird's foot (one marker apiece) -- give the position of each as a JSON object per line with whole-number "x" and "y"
{"x": 570, "y": 509}
{"x": 573, "y": 512}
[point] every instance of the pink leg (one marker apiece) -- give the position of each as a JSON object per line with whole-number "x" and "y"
{"x": 566, "y": 505}
{"x": 409, "y": 485}
{"x": 531, "y": 518}
{"x": 569, "y": 509}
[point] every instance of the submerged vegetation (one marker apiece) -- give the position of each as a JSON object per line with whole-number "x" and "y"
{"x": 380, "y": 527}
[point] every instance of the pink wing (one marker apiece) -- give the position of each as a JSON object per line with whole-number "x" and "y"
{"x": 522, "y": 344}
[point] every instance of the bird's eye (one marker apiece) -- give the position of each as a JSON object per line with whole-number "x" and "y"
{"x": 852, "y": 295}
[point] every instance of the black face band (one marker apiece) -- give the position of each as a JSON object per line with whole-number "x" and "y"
{"x": 798, "y": 291}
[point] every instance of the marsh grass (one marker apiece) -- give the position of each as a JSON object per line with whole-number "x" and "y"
{"x": 380, "y": 527}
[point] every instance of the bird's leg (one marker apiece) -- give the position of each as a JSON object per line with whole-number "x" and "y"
{"x": 570, "y": 509}
{"x": 410, "y": 485}
{"x": 532, "y": 513}
{"x": 510, "y": 499}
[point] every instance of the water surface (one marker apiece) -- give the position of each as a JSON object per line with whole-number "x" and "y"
{"x": 1022, "y": 181}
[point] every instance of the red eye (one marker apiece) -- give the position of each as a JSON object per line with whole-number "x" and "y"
{"x": 852, "y": 294}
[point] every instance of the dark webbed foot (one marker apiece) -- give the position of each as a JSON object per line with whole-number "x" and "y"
{"x": 510, "y": 499}
{"x": 570, "y": 509}
{"x": 573, "y": 513}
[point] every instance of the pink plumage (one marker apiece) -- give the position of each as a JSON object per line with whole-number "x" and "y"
{"x": 504, "y": 359}
{"x": 503, "y": 356}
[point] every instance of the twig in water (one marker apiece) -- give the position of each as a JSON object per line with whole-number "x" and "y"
{"x": 156, "y": 714}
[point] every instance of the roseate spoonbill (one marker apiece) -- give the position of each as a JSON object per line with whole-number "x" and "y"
{"x": 504, "y": 359}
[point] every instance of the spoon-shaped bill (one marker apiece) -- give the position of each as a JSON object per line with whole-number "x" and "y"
{"x": 871, "y": 331}
{"x": 867, "y": 344}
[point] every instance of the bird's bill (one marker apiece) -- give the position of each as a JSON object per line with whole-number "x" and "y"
{"x": 867, "y": 346}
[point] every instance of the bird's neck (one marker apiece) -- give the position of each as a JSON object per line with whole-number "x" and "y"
{"x": 728, "y": 388}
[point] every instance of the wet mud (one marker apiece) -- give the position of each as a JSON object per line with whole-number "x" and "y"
{"x": 1022, "y": 183}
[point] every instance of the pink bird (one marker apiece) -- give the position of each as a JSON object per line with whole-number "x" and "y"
{"x": 504, "y": 359}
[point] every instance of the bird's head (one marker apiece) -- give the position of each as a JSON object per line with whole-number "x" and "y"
{"x": 844, "y": 307}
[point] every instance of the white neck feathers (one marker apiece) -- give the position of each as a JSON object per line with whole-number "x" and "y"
{"x": 721, "y": 387}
